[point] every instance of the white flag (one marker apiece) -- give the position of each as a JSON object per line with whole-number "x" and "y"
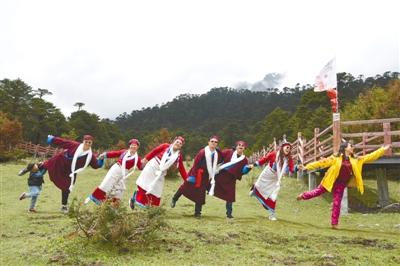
{"x": 327, "y": 77}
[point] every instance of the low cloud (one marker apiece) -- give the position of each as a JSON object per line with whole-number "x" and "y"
{"x": 271, "y": 80}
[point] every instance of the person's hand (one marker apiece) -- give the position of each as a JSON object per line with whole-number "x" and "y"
{"x": 387, "y": 146}
{"x": 301, "y": 167}
{"x": 250, "y": 166}
{"x": 101, "y": 157}
{"x": 144, "y": 161}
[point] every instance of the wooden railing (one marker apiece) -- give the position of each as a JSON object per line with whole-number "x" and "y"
{"x": 364, "y": 142}
{"x": 45, "y": 151}
{"x": 303, "y": 151}
{"x": 322, "y": 144}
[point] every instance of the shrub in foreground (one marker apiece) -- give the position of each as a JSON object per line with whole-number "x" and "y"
{"x": 110, "y": 224}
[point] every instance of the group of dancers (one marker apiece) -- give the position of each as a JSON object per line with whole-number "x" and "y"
{"x": 214, "y": 172}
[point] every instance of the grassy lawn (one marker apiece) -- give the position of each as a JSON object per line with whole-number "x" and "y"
{"x": 301, "y": 236}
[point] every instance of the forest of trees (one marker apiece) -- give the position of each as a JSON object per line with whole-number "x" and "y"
{"x": 253, "y": 116}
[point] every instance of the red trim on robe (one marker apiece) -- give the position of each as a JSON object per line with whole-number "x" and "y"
{"x": 198, "y": 177}
{"x": 267, "y": 202}
{"x": 99, "y": 194}
{"x": 144, "y": 199}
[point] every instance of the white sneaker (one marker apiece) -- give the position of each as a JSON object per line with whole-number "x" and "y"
{"x": 251, "y": 193}
{"x": 64, "y": 209}
{"x": 87, "y": 200}
{"x": 272, "y": 217}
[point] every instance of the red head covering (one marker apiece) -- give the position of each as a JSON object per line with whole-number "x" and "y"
{"x": 241, "y": 142}
{"x": 179, "y": 138}
{"x": 213, "y": 137}
{"x": 134, "y": 141}
{"x": 285, "y": 143}
{"x": 88, "y": 137}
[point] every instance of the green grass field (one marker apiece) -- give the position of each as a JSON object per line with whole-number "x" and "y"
{"x": 301, "y": 236}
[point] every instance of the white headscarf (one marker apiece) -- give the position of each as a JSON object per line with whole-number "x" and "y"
{"x": 235, "y": 159}
{"x": 128, "y": 156}
{"x": 168, "y": 158}
{"x": 279, "y": 170}
{"x": 211, "y": 167}
{"x": 79, "y": 152}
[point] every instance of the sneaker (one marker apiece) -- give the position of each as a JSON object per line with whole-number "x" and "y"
{"x": 22, "y": 172}
{"x": 64, "y": 209}
{"x": 173, "y": 202}
{"x": 197, "y": 215}
{"x": 299, "y": 197}
{"x": 31, "y": 210}
{"x": 336, "y": 227}
{"x": 23, "y": 196}
{"x": 229, "y": 216}
{"x": 251, "y": 193}
{"x": 87, "y": 200}
{"x": 272, "y": 217}
{"x": 131, "y": 204}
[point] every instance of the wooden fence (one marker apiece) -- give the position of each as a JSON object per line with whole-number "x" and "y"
{"x": 303, "y": 151}
{"x": 45, "y": 151}
{"x": 364, "y": 142}
{"x": 321, "y": 145}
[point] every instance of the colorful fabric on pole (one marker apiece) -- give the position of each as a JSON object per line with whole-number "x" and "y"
{"x": 327, "y": 77}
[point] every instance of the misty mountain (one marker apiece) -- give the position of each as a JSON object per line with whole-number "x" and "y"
{"x": 271, "y": 80}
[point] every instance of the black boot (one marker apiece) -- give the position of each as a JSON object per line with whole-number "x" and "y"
{"x": 175, "y": 199}
{"x": 229, "y": 210}
{"x": 197, "y": 210}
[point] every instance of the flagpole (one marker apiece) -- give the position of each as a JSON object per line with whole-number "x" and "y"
{"x": 336, "y": 122}
{"x": 327, "y": 81}
{"x": 344, "y": 204}
{"x": 322, "y": 84}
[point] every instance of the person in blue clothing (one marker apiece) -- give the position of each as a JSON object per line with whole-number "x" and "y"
{"x": 35, "y": 181}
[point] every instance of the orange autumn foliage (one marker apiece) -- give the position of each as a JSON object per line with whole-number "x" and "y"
{"x": 10, "y": 133}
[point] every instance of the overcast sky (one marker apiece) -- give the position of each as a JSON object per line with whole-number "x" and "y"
{"x": 117, "y": 56}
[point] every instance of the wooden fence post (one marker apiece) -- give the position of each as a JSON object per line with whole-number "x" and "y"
{"x": 364, "y": 142}
{"x": 312, "y": 181}
{"x": 383, "y": 190}
{"x": 31, "y": 147}
{"x": 387, "y": 139}
{"x": 337, "y": 140}
{"x": 300, "y": 155}
{"x": 316, "y": 132}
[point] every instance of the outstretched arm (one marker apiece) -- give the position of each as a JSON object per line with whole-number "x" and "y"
{"x": 326, "y": 162}
{"x": 63, "y": 143}
{"x": 374, "y": 155}
{"x": 182, "y": 169}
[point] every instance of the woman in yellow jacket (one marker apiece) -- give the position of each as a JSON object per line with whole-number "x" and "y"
{"x": 344, "y": 170}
